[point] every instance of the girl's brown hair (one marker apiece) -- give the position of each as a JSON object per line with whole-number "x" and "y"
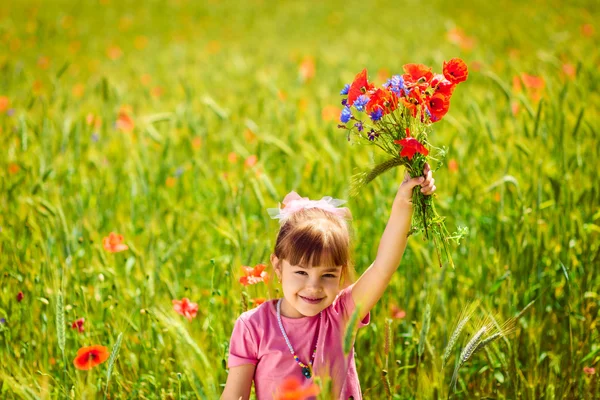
{"x": 315, "y": 237}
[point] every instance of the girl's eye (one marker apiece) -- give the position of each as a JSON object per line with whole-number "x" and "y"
{"x": 329, "y": 276}
{"x": 301, "y": 272}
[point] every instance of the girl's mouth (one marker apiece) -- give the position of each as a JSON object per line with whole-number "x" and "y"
{"x": 311, "y": 301}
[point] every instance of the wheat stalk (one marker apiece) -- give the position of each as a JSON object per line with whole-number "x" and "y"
{"x": 463, "y": 319}
{"x": 467, "y": 352}
{"x": 361, "y": 179}
{"x": 60, "y": 322}
{"x": 386, "y": 383}
{"x": 349, "y": 334}
{"x": 424, "y": 330}
{"x": 111, "y": 361}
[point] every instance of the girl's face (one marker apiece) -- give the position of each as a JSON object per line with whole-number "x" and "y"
{"x": 306, "y": 290}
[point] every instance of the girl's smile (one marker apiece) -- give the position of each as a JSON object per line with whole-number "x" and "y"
{"x": 306, "y": 290}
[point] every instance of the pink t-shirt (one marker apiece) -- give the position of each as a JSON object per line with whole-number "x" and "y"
{"x": 257, "y": 339}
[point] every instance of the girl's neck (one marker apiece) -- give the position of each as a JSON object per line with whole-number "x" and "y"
{"x": 288, "y": 311}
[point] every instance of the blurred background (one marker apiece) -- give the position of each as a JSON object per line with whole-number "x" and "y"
{"x": 177, "y": 123}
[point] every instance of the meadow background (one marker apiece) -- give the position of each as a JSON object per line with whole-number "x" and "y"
{"x": 177, "y": 123}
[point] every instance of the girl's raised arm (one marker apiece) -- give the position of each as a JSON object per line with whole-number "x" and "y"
{"x": 369, "y": 288}
{"x": 239, "y": 382}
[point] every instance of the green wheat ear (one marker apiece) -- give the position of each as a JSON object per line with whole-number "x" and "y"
{"x": 361, "y": 179}
{"x": 111, "y": 361}
{"x": 60, "y": 322}
{"x": 424, "y": 329}
{"x": 349, "y": 334}
{"x": 464, "y": 317}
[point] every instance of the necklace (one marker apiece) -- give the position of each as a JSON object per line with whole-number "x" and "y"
{"x": 306, "y": 369}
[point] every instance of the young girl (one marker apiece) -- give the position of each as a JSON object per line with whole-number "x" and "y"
{"x": 301, "y": 335}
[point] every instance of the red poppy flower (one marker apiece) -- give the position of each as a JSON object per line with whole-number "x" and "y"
{"x": 125, "y": 122}
{"x": 415, "y": 72}
{"x": 186, "y": 308}
{"x": 254, "y": 275}
{"x": 438, "y": 106}
{"x": 589, "y": 370}
{"x": 20, "y": 296}
{"x": 396, "y": 312}
{"x": 78, "y": 324}
{"x": 442, "y": 85}
{"x": 114, "y": 243}
{"x": 455, "y": 70}
{"x": 4, "y": 103}
{"x": 91, "y": 356}
{"x": 384, "y": 100}
{"x": 258, "y": 301}
{"x": 359, "y": 87}
{"x": 410, "y": 146}
{"x": 292, "y": 389}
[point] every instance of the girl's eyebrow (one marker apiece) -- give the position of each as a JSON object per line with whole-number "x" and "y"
{"x": 331, "y": 269}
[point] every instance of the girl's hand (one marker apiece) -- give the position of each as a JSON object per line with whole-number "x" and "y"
{"x": 427, "y": 183}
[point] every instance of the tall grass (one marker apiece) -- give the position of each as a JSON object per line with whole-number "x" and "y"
{"x": 210, "y": 85}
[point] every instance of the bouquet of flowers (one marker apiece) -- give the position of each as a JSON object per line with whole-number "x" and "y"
{"x": 397, "y": 118}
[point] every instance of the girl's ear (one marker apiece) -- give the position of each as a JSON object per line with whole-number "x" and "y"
{"x": 276, "y": 263}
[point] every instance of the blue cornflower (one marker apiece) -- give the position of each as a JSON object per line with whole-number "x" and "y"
{"x": 361, "y": 102}
{"x": 2, "y": 321}
{"x": 345, "y": 89}
{"x": 346, "y": 115}
{"x": 395, "y": 83}
{"x": 95, "y": 137}
{"x": 359, "y": 126}
{"x": 372, "y": 135}
{"x": 377, "y": 114}
{"x": 179, "y": 172}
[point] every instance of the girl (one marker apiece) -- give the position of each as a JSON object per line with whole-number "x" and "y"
{"x": 301, "y": 334}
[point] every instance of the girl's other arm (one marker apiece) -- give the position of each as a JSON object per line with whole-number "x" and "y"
{"x": 369, "y": 288}
{"x": 239, "y": 382}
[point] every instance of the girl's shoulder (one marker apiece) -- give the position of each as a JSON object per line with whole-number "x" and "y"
{"x": 259, "y": 314}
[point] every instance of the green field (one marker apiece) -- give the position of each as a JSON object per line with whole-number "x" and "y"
{"x": 177, "y": 123}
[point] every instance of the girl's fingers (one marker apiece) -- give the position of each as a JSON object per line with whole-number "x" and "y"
{"x": 426, "y": 169}
{"x": 428, "y": 190}
{"x": 429, "y": 181}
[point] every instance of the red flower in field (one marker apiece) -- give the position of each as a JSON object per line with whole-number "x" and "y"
{"x": 438, "y": 106}
{"x": 186, "y": 308}
{"x": 453, "y": 165}
{"x": 442, "y": 85}
{"x": 251, "y": 161}
{"x": 78, "y": 324}
{"x": 307, "y": 69}
{"x": 4, "y": 103}
{"x": 13, "y": 168}
{"x": 456, "y": 70}
{"x": 330, "y": 113}
{"x": 114, "y": 243}
{"x": 20, "y": 296}
{"x": 384, "y": 100}
{"x": 258, "y": 301}
{"x": 589, "y": 370}
{"x": 359, "y": 87}
{"x": 396, "y": 312}
{"x": 292, "y": 389}
{"x": 124, "y": 121}
{"x": 91, "y": 356}
{"x": 410, "y": 146}
{"x": 254, "y": 275}
{"x": 532, "y": 81}
{"x": 569, "y": 70}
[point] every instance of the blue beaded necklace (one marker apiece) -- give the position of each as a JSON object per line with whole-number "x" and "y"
{"x": 306, "y": 369}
